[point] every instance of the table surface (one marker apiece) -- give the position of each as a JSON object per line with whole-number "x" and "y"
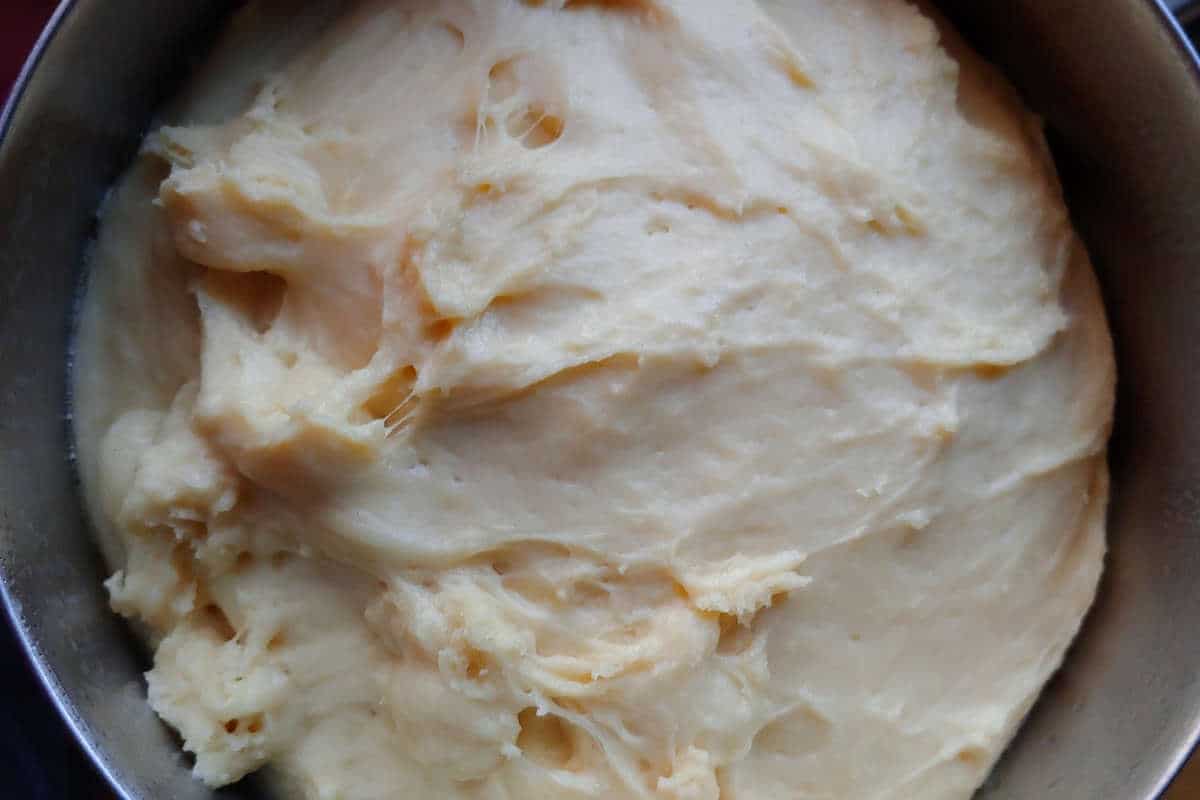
{"x": 36, "y": 751}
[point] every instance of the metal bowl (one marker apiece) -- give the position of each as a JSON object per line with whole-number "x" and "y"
{"x": 1119, "y": 87}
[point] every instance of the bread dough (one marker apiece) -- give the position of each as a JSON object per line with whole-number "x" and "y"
{"x": 680, "y": 399}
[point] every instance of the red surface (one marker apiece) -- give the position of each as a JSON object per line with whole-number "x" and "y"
{"x": 20, "y": 23}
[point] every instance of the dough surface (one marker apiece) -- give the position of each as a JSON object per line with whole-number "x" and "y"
{"x": 672, "y": 399}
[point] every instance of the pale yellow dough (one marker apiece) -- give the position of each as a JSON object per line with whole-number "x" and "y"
{"x": 681, "y": 399}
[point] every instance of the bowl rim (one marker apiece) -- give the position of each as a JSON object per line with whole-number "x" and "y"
{"x": 27, "y": 642}
{"x": 1172, "y": 14}
{"x": 51, "y": 690}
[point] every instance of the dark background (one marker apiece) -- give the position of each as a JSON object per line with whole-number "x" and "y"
{"x": 38, "y": 758}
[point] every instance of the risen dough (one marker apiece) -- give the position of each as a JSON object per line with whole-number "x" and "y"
{"x": 648, "y": 399}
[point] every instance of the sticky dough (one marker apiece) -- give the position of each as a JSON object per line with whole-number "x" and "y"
{"x": 681, "y": 399}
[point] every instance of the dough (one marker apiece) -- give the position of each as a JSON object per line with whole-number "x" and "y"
{"x": 680, "y": 399}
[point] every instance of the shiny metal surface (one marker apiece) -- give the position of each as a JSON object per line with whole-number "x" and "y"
{"x": 1120, "y": 91}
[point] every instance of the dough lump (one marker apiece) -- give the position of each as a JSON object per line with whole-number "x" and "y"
{"x": 672, "y": 399}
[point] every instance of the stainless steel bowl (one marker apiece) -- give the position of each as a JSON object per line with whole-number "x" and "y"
{"x": 1120, "y": 89}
